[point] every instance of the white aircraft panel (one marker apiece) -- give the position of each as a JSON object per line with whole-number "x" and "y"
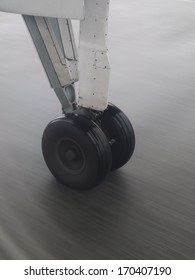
{"x": 73, "y": 9}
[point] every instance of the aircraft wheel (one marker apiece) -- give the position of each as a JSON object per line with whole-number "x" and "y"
{"x": 76, "y": 151}
{"x": 119, "y": 131}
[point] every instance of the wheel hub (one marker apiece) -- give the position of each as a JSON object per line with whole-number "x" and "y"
{"x": 71, "y": 156}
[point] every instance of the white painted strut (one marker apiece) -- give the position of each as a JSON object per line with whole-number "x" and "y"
{"x": 94, "y": 68}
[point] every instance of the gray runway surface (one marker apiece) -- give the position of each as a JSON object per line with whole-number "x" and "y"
{"x": 145, "y": 210}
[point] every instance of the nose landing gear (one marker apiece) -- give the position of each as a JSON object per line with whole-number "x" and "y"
{"x": 92, "y": 137}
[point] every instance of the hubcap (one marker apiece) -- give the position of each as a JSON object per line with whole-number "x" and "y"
{"x": 71, "y": 156}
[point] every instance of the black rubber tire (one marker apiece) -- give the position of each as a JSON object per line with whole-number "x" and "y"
{"x": 117, "y": 127}
{"x": 76, "y": 151}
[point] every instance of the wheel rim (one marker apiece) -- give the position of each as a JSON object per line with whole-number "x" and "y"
{"x": 71, "y": 156}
